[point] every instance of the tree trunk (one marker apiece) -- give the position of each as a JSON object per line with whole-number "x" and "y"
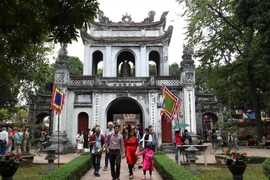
{"x": 255, "y": 102}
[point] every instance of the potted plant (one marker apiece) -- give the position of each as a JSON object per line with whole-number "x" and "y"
{"x": 9, "y": 164}
{"x": 236, "y": 161}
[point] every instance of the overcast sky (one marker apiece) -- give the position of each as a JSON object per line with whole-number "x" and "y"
{"x": 138, "y": 9}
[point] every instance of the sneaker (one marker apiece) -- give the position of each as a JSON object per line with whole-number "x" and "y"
{"x": 97, "y": 174}
{"x": 151, "y": 177}
{"x": 144, "y": 177}
{"x": 105, "y": 169}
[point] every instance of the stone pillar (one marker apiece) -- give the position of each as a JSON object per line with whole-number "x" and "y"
{"x": 164, "y": 69}
{"x": 187, "y": 81}
{"x": 143, "y": 68}
{"x": 109, "y": 69}
{"x": 62, "y": 81}
{"x": 87, "y": 63}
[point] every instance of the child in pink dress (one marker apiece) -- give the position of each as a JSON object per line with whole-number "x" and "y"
{"x": 147, "y": 161}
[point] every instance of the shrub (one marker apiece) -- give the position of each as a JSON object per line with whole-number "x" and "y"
{"x": 266, "y": 168}
{"x": 256, "y": 159}
{"x": 169, "y": 169}
{"x": 72, "y": 170}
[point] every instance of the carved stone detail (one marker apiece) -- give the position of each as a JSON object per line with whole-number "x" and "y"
{"x": 153, "y": 112}
{"x": 126, "y": 19}
{"x": 102, "y": 18}
{"x": 163, "y": 16}
{"x": 96, "y": 108}
{"x": 59, "y": 77}
{"x": 150, "y": 18}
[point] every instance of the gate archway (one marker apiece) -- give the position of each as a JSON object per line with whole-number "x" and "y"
{"x": 124, "y": 111}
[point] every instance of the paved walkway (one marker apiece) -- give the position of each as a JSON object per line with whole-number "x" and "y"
{"x": 105, "y": 175}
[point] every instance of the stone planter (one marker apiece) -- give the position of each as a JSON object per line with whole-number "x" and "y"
{"x": 27, "y": 159}
{"x": 7, "y": 174}
{"x": 237, "y": 171}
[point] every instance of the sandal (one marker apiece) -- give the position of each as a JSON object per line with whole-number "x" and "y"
{"x": 131, "y": 177}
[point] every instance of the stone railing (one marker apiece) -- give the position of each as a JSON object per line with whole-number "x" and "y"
{"x": 82, "y": 81}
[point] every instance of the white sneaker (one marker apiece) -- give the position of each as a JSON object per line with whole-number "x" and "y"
{"x": 151, "y": 177}
{"x": 144, "y": 177}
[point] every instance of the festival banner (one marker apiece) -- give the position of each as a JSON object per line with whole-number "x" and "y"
{"x": 170, "y": 105}
{"x": 57, "y": 101}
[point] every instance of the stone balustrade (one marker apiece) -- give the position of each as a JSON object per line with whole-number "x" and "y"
{"x": 81, "y": 81}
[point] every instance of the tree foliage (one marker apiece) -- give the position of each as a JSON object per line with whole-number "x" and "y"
{"x": 230, "y": 39}
{"x": 174, "y": 69}
{"x": 25, "y": 27}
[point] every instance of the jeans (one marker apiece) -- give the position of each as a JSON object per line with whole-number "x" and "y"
{"x": 106, "y": 160}
{"x": 95, "y": 158}
{"x": 3, "y": 148}
{"x": 176, "y": 154}
{"x": 115, "y": 163}
{"x": 154, "y": 148}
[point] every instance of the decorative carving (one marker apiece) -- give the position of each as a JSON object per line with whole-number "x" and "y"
{"x": 62, "y": 62}
{"x": 187, "y": 62}
{"x": 150, "y": 18}
{"x": 189, "y": 77}
{"x": 153, "y": 105}
{"x": 102, "y": 18}
{"x": 127, "y": 19}
{"x": 60, "y": 77}
{"x": 187, "y": 50}
{"x": 163, "y": 16}
{"x": 96, "y": 108}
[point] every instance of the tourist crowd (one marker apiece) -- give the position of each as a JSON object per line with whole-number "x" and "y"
{"x": 118, "y": 145}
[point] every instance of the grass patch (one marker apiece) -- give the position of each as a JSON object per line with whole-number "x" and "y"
{"x": 252, "y": 172}
{"x": 30, "y": 172}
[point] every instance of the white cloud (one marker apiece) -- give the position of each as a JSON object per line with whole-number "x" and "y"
{"x": 138, "y": 9}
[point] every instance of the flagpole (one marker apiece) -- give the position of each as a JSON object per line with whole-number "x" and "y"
{"x": 58, "y": 137}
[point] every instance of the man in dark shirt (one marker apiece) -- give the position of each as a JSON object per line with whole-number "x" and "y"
{"x": 115, "y": 149}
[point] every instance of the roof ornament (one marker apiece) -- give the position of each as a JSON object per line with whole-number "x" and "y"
{"x": 102, "y": 18}
{"x": 126, "y": 19}
{"x": 163, "y": 16}
{"x": 187, "y": 56}
{"x": 150, "y": 18}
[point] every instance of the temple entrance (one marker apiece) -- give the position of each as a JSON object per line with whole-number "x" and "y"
{"x": 43, "y": 120}
{"x": 83, "y": 122}
{"x": 166, "y": 127}
{"x": 209, "y": 120}
{"x": 124, "y": 111}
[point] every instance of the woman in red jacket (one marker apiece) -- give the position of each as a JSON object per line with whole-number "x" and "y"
{"x": 132, "y": 148}
{"x": 178, "y": 141}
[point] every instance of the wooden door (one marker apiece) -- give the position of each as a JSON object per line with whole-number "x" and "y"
{"x": 166, "y": 128}
{"x": 83, "y": 122}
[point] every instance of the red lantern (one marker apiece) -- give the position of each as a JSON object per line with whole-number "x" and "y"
{"x": 205, "y": 117}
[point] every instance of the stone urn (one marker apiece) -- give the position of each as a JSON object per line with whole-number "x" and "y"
{"x": 237, "y": 171}
{"x": 27, "y": 159}
{"x": 8, "y": 173}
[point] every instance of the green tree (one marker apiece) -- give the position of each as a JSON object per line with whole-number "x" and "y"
{"x": 25, "y": 28}
{"x": 233, "y": 34}
{"x": 174, "y": 69}
{"x": 152, "y": 70}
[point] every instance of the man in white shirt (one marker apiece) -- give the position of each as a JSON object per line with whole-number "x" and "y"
{"x": 3, "y": 141}
{"x": 108, "y": 132}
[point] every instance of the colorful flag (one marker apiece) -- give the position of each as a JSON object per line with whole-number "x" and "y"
{"x": 57, "y": 101}
{"x": 170, "y": 105}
